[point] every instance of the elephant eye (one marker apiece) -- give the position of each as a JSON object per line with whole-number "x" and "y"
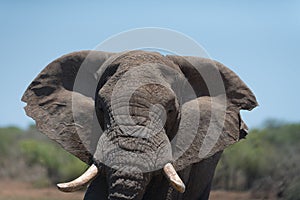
{"x": 170, "y": 110}
{"x": 171, "y": 105}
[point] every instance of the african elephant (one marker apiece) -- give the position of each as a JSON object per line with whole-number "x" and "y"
{"x": 150, "y": 126}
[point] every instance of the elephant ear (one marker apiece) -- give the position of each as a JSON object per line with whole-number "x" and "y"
{"x": 61, "y": 101}
{"x": 211, "y": 121}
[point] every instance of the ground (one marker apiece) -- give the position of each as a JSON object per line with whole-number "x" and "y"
{"x": 12, "y": 190}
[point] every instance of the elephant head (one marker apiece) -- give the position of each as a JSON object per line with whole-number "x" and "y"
{"x": 133, "y": 115}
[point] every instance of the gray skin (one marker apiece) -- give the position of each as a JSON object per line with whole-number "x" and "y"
{"x": 129, "y": 107}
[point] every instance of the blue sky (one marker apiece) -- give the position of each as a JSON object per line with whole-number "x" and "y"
{"x": 259, "y": 40}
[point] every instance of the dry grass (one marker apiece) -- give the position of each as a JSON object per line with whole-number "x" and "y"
{"x": 13, "y": 190}
{"x": 228, "y": 195}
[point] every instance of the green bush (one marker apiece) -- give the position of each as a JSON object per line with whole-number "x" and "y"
{"x": 59, "y": 164}
{"x": 267, "y": 161}
{"x": 29, "y": 146}
{"x": 292, "y": 191}
{"x": 8, "y": 137}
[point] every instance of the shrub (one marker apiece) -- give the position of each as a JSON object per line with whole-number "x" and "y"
{"x": 8, "y": 137}
{"x": 292, "y": 191}
{"x": 265, "y": 162}
{"x": 60, "y": 165}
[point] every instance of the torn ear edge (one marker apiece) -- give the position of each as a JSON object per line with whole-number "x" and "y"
{"x": 51, "y": 95}
{"x": 215, "y": 132}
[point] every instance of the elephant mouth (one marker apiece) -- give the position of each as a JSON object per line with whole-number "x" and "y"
{"x": 92, "y": 172}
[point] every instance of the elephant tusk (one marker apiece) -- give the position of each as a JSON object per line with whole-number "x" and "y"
{"x": 79, "y": 182}
{"x": 173, "y": 178}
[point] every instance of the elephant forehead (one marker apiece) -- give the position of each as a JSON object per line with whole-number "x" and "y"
{"x": 143, "y": 80}
{"x": 135, "y": 58}
{"x": 154, "y": 93}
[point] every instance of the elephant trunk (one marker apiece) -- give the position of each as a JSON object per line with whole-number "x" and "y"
{"x": 127, "y": 182}
{"x": 130, "y": 161}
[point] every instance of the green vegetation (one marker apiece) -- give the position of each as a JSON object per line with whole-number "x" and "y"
{"x": 58, "y": 163}
{"x": 267, "y": 162}
{"x": 29, "y": 155}
{"x": 8, "y": 137}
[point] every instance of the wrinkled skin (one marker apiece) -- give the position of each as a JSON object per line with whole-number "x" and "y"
{"x": 129, "y": 108}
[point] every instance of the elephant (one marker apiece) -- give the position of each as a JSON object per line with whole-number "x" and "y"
{"x": 150, "y": 126}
